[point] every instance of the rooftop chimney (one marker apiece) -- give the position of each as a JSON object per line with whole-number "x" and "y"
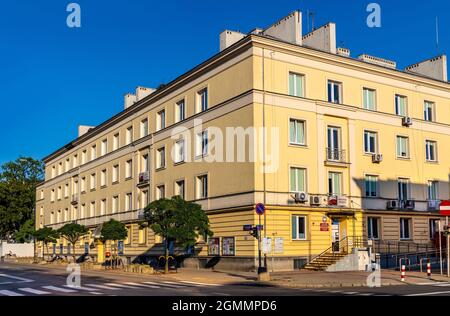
{"x": 343, "y": 51}
{"x": 323, "y": 38}
{"x": 141, "y": 93}
{"x": 288, "y": 29}
{"x": 378, "y": 61}
{"x": 83, "y": 129}
{"x": 435, "y": 68}
{"x": 228, "y": 38}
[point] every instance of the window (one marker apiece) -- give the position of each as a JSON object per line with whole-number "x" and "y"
{"x": 129, "y": 136}
{"x": 142, "y": 235}
{"x": 161, "y": 120}
{"x": 93, "y": 184}
{"x": 202, "y": 100}
{"x": 334, "y": 143}
{"x": 202, "y": 187}
{"x": 52, "y": 217}
{"x": 160, "y": 192}
{"x": 144, "y": 163}
{"x": 403, "y": 189}
{"x": 430, "y": 149}
{"x": 297, "y": 179}
{"x": 129, "y": 169}
{"x": 58, "y": 196}
{"x": 201, "y": 146}
{"x": 104, "y": 148}
{"x": 401, "y": 105}
{"x": 335, "y": 183}
{"x": 82, "y": 211}
{"x": 298, "y": 227}
{"x": 161, "y": 158}
{"x": 297, "y": 132}
{"x": 214, "y": 246}
{"x": 370, "y": 142}
{"x": 116, "y": 142}
{"x": 42, "y": 194}
{"x": 115, "y": 204}
{"x": 180, "y": 114}
{"x": 128, "y": 202}
{"x": 75, "y": 161}
{"x": 373, "y": 228}
{"x": 103, "y": 178}
{"x": 369, "y": 99}
{"x": 66, "y": 190}
{"x": 296, "y": 85}
{"x": 405, "y": 228}
{"x": 60, "y": 168}
{"x": 144, "y": 128}
{"x": 52, "y": 195}
{"x": 334, "y": 92}
{"x": 428, "y": 111}
{"x": 402, "y": 147}
{"x": 83, "y": 184}
{"x": 115, "y": 174}
{"x": 228, "y": 246}
{"x": 144, "y": 198}
{"x": 67, "y": 165}
{"x": 83, "y": 157}
{"x": 179, "y": 188}
{"x": 433, "y": 228}
{"x": 179, "y": 151}
{"x": 433, "y": 190}
{"x": 92, "y": 209}
{"x": 53, "y": 171}
{"x": 93, "y": 152}
{"x": 371, "y": 186}
{"x": 102, "y": 207}
{"x": 58, "y": 217}
{"x": 127, "y": 240}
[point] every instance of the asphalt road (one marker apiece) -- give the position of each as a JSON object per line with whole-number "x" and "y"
{"x": 18, "y": 280}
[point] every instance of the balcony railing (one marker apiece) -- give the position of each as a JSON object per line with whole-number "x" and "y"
{"x": 336, "y": 155}
{"x": 144, "y": 178}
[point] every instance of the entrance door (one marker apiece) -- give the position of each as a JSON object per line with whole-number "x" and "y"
{"x": 335, "y": 234}
{"x": 100, "y": 252}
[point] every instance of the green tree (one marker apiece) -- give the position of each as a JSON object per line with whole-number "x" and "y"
{"x": 72, "y": 232}
{"x": 113, "y": 231}
{"x": 18, "y": 180}
{"x": 46, "y": 235}
{"x": 177, "y": 220}
{"x": 26, "y": 232}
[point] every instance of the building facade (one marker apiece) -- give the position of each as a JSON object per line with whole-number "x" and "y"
{"x": 352, "y": 147}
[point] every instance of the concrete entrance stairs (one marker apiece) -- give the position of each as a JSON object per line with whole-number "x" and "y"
{"x": 321, "y": 263}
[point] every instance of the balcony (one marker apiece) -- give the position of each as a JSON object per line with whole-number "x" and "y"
{"x": 336, "y": 157}
{"x": 144, "y": 178}
{"x": 74, "y": 199}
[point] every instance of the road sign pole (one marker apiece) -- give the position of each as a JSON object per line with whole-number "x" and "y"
{"x": 448, "y": 248}
{"x": 259, "y": 247}
{"x": 440, "y": 247}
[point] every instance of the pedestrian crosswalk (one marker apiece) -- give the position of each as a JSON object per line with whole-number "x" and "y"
{"x": 439, "y": 284}
{"x": 100, "y": 288}
{"x": 348, "y": 293}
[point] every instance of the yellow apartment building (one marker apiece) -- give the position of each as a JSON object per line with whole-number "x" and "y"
{"x": 335, "y": 147}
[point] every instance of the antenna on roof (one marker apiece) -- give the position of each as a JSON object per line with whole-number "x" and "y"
{"x": 310, "y": 16}
{"x": 437, "y": 34}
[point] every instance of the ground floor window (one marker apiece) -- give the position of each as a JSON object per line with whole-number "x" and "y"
{"x": 228, "y": 246}
{"x": 373, "y": 228}
{"x": 405, "y": 228}
{"x": 213, "y": 246}
{"x": 433, "y": 227}
{"x": 298, "y": 227}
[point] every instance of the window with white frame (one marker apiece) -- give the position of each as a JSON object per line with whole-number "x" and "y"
{"x": 402, "y": 147}
{"x": 116, "y": 141}
{"x": 297, "y": 132}
{"x": 58, "y": 196}
{"x": 104, "y": 148}
{"x": 93, "y": 184}
{"x": 334, "y": 92}
{"x": 52, "y": 195}
{"x": 83, "y": 184}
{"x": 297, "y": 179}
{"x": 296, "y": 85}
{"x": 433, "y": 190}
{"x": 144, "y": 163}
{"x": 179, "y": 151}
{"x": 433, "y": 228}
{"x": 370, "y": 142}
{"x": 92, "y": 209}
{"x": 67, "y": 165}
{"x": 144, "y": 128}
{"x": 335, "y": 183}
{"x": 115, "y": 204}
{"x": 202, "y": 100}
{"x": 160, "y": 192}
{"x": 369, "y": 99}
{"x": 298, "y": 227}
{"x": 75, "y": 161}
{"x": 144, "y": 198}
{"x": 83, "y": 157}
{"x": 129, "y": 202}
{"x": 202, "y": 187}
{"x": 161, "y": 158}
{"x": 428, "y": 111}
{"x": 430, "y": 150}
{"x": 52, "y": 217}
{"x": 180, "y": 111}
{"x": 128, "y": 169}
{"x": 129, "y": 135}
{"x": 401, "y": 105}
{"x": 373, "y": 227}
{"x": 102, "y": 207}
{"x": 103, "y": 178}
{"x": 53, "y": 172}
{"x": 66, "y": 190}
{"x": 405, "y": 228}
{"x": 115, "y": 174}
{"x": 83, "y": 211}
{"x": 60, "y": 168}
{"x": 403, "y": 189}
{"x": 371, "y": 185}
{"x": 161, "y": 120}
{"x": 180, "y": 188}
{"x": 201, "y": 144}
{"x": 58, "y": 216}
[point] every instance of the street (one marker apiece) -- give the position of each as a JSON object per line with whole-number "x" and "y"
{"x": 17, "y": 280}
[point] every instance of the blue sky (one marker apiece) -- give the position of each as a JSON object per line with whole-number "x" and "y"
{"x": 53, "y": 78}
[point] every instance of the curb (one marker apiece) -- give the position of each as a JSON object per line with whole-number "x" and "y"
{"x": 330, "y": 285}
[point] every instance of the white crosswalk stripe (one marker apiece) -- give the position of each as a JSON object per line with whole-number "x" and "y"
{"x": 9, "y": 293}
{"x": 59, "y": 289}
{"x": 33, "y": 291}
{"x": 143, "y": 285}
{"x": 82, "y": 288}
{"x": 121, "y": 285}
{"x": 172, "y": 284}
{"x": 199, "y": 283}
{"x": 159, "y": 284}
{"x": 104, "y": 287}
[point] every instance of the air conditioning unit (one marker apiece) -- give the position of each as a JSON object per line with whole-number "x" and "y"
{"x": 315, "y": 200}
{"x": 301, "y": 197}
{"x": 377, "y": 158}
{"x": 409, "y": 204}
{"x": 407, "y": 121}
{"x": 392, "y": 205}
{"x": 144, "y": 177}
{"x": 433, "y": 205}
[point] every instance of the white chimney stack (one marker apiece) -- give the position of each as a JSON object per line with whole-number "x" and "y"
{"x": 435, "y": 68}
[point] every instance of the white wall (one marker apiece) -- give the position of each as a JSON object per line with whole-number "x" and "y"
{"x": 20, "y": 250}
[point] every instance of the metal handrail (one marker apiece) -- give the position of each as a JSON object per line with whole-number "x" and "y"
{"x": 336, "y": 154}
{"x": 343, "y": 246}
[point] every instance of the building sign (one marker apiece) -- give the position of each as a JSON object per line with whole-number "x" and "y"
{"x": 324, "y": 227}
{"x": 279, "y": 245}
{"x": 267, "y": 245}
{"x": 342, "y": 201}
{"x": 228, "y": 246}
{"x": 120, "y": 247}
{"x": 214, "y": 247}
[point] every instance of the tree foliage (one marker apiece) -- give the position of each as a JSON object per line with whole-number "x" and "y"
{"x": 72, "y": 232}
{"x": 46, "y": 235}
{"x": 26, "y": 232}
{"x": 113, "y": 231}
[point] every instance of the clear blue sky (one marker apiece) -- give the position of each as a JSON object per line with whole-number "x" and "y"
{"x": 53, "y": 78}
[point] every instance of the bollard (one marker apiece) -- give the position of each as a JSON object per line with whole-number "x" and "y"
{"x": 403, "y": 273}
{"x": 429, "y": 269}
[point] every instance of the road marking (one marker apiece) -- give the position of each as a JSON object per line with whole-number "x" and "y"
{"x": 22, "y": 280}
{"x": 59, "y": 289}
{"x": 142, "y": 285}
{"x": 429, "y": 293}
{"x": 10, "y": 293}
{"x": 365, "y": 294}
{"x": 82, "y": 288}
{"x": 159, "y": 284}
{"x": 121, "y": 285}
{"x": 201, "y": 284}
{"x": 95, "y": 293}
{"x": 103, "y": 287}
{"x": 33, "y": 291}
{"x": 172, "y": 284}
{"x": 349, "y": 293}
{"x": 222, "y": 294}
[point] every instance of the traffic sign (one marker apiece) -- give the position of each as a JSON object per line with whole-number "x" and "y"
{"x": 444, "y": 208}
{"x": 259, "y": 227}
{"x": 248, "y": 228}
{"x": 260, "y": 209}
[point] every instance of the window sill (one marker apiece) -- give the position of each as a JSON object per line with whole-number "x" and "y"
{"x": 403, "y": 158}
{"x": 433, "y": 162}
{"x": 160, "y": 168}
{"x": 103, "y": 186}
{"x": 92, "y": 190}
{"x": 299, "y": 239}
{"x": 128, "y": 179}
{"x": 115, "y": 182}
{"x": 179, "y": 163}
{"x": 305, "y": 146}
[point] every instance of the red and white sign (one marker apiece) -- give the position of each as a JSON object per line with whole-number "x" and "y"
{"x": 444, "y": 208}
